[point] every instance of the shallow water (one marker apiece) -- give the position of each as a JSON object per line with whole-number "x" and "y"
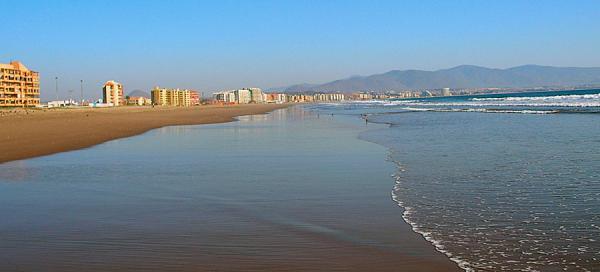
{"x": 289, "y": 190}
{"x": 497, "y": 191}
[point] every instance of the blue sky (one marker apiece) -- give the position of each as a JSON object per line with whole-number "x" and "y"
{"x": 212, "y": 45}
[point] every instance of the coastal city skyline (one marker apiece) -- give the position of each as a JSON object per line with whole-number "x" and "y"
{"x": 20, "y": 87}
{"x": 217, "y": 54}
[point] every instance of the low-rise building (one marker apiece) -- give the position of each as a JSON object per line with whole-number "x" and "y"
{"x": 139, "y": 101}
{"x": 62, "y": 103}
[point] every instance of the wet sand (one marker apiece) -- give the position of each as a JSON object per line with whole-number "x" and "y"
{"x": 32, "y": 133}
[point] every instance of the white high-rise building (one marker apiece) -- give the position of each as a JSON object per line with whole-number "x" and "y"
{"x": 243, "y": 96}
{"x": 446, "y": 92}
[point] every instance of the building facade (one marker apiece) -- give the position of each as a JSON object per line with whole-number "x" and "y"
{"x": 139, "y": 101}
{"x": 446, "y": 92}
{"x": 171, "y": 97}
{"x": 256, "y": 95}
{"x": 300, "y": 98}
{"x": 329, "y": 97}
{"x": 243, "y": 96}
{"x": 195, "y": 98}
{"x": 112, "y": 93}
{"x": 19, "y": 86}
{"x": 277, "y": 98}
{"x": 224, "y": 97}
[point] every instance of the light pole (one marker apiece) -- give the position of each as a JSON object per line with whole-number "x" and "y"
{"x": 56, "y": 80}
{"x": 81, "y": 81}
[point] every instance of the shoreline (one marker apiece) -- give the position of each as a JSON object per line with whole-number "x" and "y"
{"x": 33, "y": 133}
{"x": 370, "y": 237}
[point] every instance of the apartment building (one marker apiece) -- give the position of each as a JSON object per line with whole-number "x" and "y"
{"x": 274, "y": 98}
{"x": 243, "y": 96}
{"x": 19, "y": 86}
{"x": 256, "y": 95}
{"x": 225, "y": 97}
{"x": 195, "y": 98}
{"x": 171, "y": 97}
{"x": 112, "y": 93}
{"x": 329, "y": 97}
{"x": 300, "y": 98}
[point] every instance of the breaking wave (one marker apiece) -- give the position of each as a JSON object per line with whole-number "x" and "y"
{"x": 541, "y": 98}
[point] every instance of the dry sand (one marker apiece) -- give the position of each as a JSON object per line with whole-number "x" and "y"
{"x": 35, "y": 132}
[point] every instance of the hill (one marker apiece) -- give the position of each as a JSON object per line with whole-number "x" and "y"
{"x": 139, "y": 93}
{"x": 464, "y": 76}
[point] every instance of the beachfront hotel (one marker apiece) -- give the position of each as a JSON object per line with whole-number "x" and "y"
{"x": 112, "y": 93}
{"x": 171, "y": 97}
{"x": 19, "y": 86}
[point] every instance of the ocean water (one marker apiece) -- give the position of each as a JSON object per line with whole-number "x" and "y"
{"x": 497, "y": 182}
{"x": 289, "y": 190}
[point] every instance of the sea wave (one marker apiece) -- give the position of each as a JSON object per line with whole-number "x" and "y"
{"x": 541, "y": 98}
{"x": 406, "y": 215}
{"x": 481, "y": 103}
{"x": 572, "y": 104}
{"x": 483, "y": 110}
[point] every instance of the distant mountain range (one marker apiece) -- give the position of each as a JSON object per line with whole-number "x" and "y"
{"x": 139, "y": 93}
{"x": 460, "y": 77}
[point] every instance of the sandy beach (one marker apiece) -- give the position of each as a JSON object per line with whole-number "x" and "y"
{"x": 35, "y": 132}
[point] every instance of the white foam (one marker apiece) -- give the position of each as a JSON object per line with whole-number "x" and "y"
{"x": 481, "y": 110}
{"x": 578, "y": 104}
{"x": 580, "y": 101}
{"x": 541, "y": 98}
{"x": 438, "y": 244}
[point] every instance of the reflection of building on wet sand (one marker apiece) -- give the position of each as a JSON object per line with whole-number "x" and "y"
{"x": 257, "y": 117}
{"x": 19, "y": 171}
{"x": 297, "y": 113}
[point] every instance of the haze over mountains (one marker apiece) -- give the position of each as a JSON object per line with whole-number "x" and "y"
{"x": 460, "y": 77}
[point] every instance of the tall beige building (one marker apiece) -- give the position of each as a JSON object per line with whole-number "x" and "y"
{"x": 112, "y": 92}
{"x": 19, "y": 86}
{"x": 171, "y": 97}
